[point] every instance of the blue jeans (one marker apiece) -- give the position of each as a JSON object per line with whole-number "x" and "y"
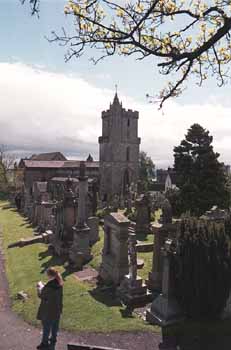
{"x": 50, "y": 327}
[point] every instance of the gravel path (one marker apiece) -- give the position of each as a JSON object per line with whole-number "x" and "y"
{"x": 15, "y": 334}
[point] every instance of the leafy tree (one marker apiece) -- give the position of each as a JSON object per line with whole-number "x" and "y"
{"x": 188, "y": 37}
{"x": 146, "y": 169}
{"x": 7, "y": 161}
{"x": 200, "y": 176}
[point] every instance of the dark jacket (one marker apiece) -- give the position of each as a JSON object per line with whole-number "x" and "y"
{"x": 51, "y": 301}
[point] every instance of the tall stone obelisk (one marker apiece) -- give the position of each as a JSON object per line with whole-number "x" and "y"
{"x": 80, "y": 251}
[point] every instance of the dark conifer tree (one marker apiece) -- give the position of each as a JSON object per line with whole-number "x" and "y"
{"x": 200, "y": 176}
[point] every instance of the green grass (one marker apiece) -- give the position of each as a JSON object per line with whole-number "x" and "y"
{"x": 85, "y": 308}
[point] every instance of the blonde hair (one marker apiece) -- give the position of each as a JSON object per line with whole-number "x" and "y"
{"x": 51, "y": 271}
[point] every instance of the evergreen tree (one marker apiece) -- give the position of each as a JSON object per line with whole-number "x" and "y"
{"x": 202, "y": 267}
{"x": 200, "y": 176}
{"x": 146, "y": 169}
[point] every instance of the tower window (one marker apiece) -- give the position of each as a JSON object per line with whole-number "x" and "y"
{"x": 128, "y": 154}
{"x": 128, "y": 122}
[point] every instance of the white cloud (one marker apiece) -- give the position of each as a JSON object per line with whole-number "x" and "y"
{"x": 43, "y": 111}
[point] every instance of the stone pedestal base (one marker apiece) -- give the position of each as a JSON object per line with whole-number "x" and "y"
{"x": 154, "y": 282}
{"x": 80, "y": 252}
{"x": 164, "y": 311}
{"x": 110, "y": 272}
{"x": 133, "y": 293}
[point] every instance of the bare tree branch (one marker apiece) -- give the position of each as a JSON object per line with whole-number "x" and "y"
{"x": 190, "y": 37}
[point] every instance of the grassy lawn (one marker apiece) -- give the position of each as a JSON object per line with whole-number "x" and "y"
{"x": 85, "y": 308}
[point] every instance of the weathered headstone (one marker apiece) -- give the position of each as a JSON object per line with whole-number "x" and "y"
{"x": 80, "y": 251}
{"x": 154, "y": 281}
{"x": 65, "y": 212}
{"x": 114, "y": 264}
{"x": 161, "y": 232}
{"x": 143, "y": 215}
{"x": 93, "y": 224}
{"x": 166, "y": 212}
{"x": 40, "y": 195}
{"x": 165, "y": 309}
{"x": 28, "y": 200}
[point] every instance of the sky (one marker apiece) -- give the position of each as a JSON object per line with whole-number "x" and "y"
{"x": 49, "y": 105}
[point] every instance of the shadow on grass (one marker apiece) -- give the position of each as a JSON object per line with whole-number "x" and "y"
{"x": 9, "y": 206}
{"x": 27, "y": 225}
{"x": 126, "y": 313}
{"x": 105, "y": 295}
{"x": 54, "y": 261}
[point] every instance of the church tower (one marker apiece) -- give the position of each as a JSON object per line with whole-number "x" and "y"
{"x": 118, "y": 150}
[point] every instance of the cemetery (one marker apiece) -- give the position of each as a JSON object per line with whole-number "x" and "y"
{"x": 129, "y": 263}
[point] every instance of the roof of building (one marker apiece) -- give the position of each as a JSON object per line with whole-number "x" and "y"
{"x": 173, "y": 177}
{"x": 162, "y": 174}
{"x": 89, "y": 158}
{"x": 48, "y": 156}
{"x": 54, "y": 164}
{"x": 64, "y": 179}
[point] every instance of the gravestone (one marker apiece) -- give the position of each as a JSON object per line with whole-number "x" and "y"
{"x": 115, "y": 202}
{"x": 80, "y": 251}
{"x": 65, "y": 212}
{"x": 166, "y": 217}
{"x": 28, "y": 201}
{"x": 45, "y": 220}
{"x": 114, "y": 264}
{"x": 165, "y": 309}
{"x": 143, "y": 215}
{"x": 93, "y": 224}
{"x": 161, "y": 232}
{"x": 154, "y": 281}
{"x": 40, "y": 194}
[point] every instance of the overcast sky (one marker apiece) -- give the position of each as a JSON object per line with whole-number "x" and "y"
{"x": 47, "y": 105}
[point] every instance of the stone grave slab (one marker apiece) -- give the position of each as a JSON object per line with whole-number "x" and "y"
{"x": 87, "y": 274}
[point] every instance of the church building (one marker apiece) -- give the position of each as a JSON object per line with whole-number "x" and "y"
{"x": 118, "y": 150}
